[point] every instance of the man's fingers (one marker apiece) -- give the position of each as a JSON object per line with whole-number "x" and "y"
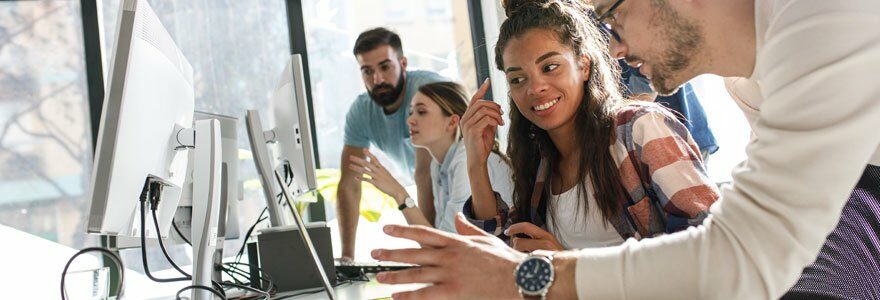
{"x": 423, "y": 235}
{"x": 412, "y": 275}
{"x": 482, "y": 91}
{"x": 419, "y": 256}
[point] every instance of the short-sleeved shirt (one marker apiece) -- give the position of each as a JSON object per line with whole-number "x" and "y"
{"x": 367, "y": 124}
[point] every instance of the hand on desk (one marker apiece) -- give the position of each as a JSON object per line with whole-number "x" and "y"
{"x": 452, "y": 263}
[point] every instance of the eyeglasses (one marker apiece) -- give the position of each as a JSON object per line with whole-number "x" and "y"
{"x": 609, "y": 14}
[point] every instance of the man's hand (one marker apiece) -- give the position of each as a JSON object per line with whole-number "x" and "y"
{"x": 473, "y": 265}
{"x": 539, "y": 239}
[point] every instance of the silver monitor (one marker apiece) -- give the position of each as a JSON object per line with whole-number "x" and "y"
{"x": 149, "y": 98}
{"x": 292, "y": 127}
{"x": 146, "y": 122}
{"x": 290, "y": 132}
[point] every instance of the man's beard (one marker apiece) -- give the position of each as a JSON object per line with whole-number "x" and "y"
{"x": 685, "y": 40}
{"x": 389, "y": 94}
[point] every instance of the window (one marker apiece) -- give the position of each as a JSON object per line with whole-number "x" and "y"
{"x": 238, "y": 50}
{"x": 333, "y": 25}
{"x": 438, "y": 10}
{"x": 45, "y": 134}
{"x": 727, "y": 122}
{"x": 397, "y": 11}
{"x": 443, "y": 46}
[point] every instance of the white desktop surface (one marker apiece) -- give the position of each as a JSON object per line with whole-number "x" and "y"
{"x": 32, "y": 265}
{"x": 354, "y": 291}
{"x": 32, "y": 270}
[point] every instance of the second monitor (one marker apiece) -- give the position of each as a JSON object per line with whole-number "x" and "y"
{"x": 289, "y": 129}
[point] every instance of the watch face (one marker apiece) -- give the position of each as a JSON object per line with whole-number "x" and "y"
{"x": 534, "y": 275}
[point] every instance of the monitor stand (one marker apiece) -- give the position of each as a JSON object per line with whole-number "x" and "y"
{"x": 206, "y": 203}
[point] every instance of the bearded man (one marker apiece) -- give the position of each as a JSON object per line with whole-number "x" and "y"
{"x": 378, "y": 118}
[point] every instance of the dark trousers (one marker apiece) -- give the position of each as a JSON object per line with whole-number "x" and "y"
{"x": 848, "y": 267}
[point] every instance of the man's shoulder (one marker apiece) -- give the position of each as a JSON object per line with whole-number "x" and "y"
{"x": 361, "y": 102}
{"x": 420, "y": 77}
{"x": 361, "y": 107}
{"x": 782, "y": 14}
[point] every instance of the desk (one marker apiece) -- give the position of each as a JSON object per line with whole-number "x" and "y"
{"x": 353, "y": 291}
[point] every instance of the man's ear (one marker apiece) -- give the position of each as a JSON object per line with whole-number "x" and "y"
{"x": 403, "y": 63}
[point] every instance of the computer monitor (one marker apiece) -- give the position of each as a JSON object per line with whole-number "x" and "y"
{"x": 293, "y": 128}
{"x": 149, "y": 98}
{"x": 290, "y": 132}
{"x": 147, "y": 118}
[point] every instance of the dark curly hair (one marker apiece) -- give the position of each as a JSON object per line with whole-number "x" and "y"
{"x": 595, "y": 118}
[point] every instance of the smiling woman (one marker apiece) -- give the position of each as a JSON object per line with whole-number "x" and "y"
{"x": 613, "y": 168}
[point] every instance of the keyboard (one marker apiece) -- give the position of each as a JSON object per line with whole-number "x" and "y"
{"x": 356, "y": 269}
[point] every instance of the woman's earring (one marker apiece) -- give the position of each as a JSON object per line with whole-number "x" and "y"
{"x": 532, "y": 132}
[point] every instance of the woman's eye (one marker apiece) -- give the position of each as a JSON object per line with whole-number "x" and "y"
{"x": 516, "y": 80}
{"x": 550, "y": 67}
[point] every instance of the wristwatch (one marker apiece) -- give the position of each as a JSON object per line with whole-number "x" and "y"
{"x": 407, "y": 203}
{"x": 534, "y": 275}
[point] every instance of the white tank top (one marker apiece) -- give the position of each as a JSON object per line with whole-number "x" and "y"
{"x": 577, "y": 231}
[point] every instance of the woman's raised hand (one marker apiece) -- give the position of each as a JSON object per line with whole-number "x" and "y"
{"x": 478, "y": 126}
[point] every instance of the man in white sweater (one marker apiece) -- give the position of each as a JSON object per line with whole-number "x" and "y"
{"x": 805, "y": 67}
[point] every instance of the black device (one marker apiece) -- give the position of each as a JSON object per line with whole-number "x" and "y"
{"x": 357, "y": 269}
{"x": 285, "y": 256}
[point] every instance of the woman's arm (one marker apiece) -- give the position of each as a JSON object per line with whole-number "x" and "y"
{"x": 478, "y": 126}
{"x": 677, "y": 175}
{"x": 382, "y": 179}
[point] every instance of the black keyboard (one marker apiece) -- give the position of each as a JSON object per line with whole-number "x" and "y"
{"x": 356, "y": 269}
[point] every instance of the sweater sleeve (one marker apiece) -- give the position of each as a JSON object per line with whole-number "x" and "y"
{"x": 497, "y": 224}
{"x": 816, "y": 131}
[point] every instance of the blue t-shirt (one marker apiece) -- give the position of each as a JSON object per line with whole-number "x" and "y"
{"x": 684, "y": 101}
{"x": 367, "y": 124}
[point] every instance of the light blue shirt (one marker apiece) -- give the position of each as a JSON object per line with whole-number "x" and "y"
{"x": 366, "y": 123}
{"x": 452, "y": 188}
